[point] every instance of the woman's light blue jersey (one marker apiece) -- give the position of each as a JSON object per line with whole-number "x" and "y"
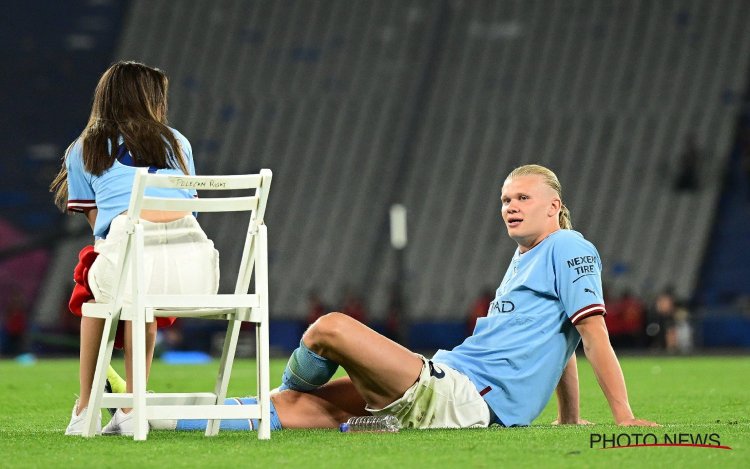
{"x": 516, "y": 355}
{"x": 109, "y": 193}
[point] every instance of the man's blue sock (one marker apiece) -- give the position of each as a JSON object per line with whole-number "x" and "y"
{"x": 306, "y": 370}
{"x": 234, "y": 424}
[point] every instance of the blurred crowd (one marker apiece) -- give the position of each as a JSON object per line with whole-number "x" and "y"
{"x": 13, "y": 325}
{"x": 662, "y": 323}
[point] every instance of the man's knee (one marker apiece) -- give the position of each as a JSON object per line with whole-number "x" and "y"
{"x": 327, "y": 331}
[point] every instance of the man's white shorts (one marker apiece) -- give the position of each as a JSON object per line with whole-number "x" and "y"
{"x": 441, "y": 398}
{"x": 178, "y": 258}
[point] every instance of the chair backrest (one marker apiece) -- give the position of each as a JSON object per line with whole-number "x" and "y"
{"x": 257, "y": 202}
{"x": 254, "y": 202}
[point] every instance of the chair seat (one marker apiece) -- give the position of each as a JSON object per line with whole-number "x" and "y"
{"x": 201, "y": 301}
{"x": 226, "y": 306}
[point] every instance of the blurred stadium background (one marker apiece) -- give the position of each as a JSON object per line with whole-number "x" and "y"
{"x": 640, "y": 106}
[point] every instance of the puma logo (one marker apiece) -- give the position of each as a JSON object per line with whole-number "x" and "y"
{"x": 590, "y": 291}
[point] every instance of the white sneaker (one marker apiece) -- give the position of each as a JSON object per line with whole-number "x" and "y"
{"x": 121, "y": 424}
{"x": 75, "y": 427}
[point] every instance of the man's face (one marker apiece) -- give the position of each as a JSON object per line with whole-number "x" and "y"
{"x": 530, "y": 209}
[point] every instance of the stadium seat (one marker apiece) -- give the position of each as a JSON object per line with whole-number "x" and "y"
{"x": 235, "y": 308}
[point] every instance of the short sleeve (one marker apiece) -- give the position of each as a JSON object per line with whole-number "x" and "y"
{"x": 578, "y": 280}
{"x": 81, "y": 195}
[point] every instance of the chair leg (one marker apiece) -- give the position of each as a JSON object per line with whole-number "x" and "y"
{"x": 225, "y": 371}
{"x": 261, "y": 334}
{"x": 264, "y": 395}
{"x": 139, "y": 377}
{"x": 100, "y": 375}
{"x": 138, "y": 330}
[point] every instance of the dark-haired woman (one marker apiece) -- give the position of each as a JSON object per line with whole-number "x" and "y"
{"x": 127, "y": 130}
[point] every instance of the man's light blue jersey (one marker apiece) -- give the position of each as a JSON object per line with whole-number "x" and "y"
{"x": 110, "y": 192}
{"x": 516, "y": 355}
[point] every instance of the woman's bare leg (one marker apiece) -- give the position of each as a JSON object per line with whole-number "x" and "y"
{"x": 128, "y": 346}
{"x": 91, "y": 337}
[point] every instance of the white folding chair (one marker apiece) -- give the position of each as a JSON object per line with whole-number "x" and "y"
{"x": 235, "y": 308}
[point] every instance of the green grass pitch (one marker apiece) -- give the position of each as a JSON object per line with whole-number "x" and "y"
{"x": 687, "y": 395}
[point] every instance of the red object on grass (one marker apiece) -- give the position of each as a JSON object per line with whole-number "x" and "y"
{"x": 82, "y": 292}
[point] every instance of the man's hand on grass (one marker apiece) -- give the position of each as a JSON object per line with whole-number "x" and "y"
{"x": 579, "y": 422}
{"x": 635, "y": 422}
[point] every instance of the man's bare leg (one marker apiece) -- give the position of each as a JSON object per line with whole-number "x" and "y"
{"x": 325, "y": 407}
{"x": 380, "y": 369}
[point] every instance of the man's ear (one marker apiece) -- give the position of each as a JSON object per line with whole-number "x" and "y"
{"x": 554, "y": 208}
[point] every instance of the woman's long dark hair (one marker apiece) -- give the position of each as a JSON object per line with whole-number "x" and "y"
{"x": 130, "y": 101}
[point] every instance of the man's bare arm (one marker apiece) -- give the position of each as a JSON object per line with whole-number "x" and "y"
{"x": 607, "y": 369}
{"x": 568, "y": 410}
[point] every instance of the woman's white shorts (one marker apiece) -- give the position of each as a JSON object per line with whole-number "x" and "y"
{"x": 178, "y": 258}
